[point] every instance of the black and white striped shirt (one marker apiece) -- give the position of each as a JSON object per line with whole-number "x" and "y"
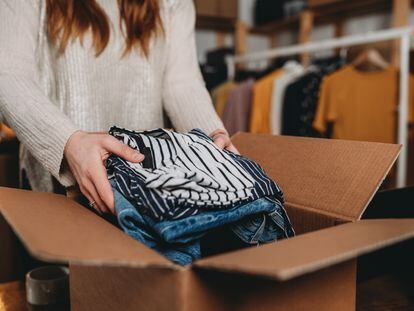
{"x": 183, "y": 174}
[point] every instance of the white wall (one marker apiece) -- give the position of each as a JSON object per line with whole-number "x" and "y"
{"x": 206, "y": 40}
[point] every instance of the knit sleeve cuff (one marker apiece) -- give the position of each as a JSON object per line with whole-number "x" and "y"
{"x": 56, "y": 164}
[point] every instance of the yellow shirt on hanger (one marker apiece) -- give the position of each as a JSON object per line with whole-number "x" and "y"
{"x": 361, "y": 105}
{"x": 262, "y": 96}
{"x": 221, "y": 94}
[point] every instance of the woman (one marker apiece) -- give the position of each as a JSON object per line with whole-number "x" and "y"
{"x": 72, "y": 67}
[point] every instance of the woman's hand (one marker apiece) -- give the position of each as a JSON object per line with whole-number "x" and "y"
{"x": 223, "y": 141}
{"x": 85, "y": 154}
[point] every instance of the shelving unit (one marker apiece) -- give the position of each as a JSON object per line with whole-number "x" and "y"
{"x": 336, "y": 13}
{"x": 217, "y": 24}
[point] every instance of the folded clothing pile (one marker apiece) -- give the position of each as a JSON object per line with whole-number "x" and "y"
{"x": 190, "y": 199}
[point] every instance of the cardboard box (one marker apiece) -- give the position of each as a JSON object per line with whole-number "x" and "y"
{"x": 217, "y": 8}
{"x": 315, "y": 3}
{"x": 327, "y": 185}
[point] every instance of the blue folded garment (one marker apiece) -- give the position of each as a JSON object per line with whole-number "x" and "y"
{"x": 254, "y": 223}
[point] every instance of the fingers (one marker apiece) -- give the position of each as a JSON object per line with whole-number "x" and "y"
{"x": 85, "y": 154}
{"x": 89, "y": 190}
{"x": 95, "y": 186}
{"x": 233, "y": 149}
{"x": 217, "y": 132}
{"x": 221, "y": 141}
{"x": 113, "y": 145}
{"x": 90, "y": 199}
{"x": 103, "y": 188}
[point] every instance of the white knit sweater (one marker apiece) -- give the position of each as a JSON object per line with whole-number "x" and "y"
{"x": 45, "y": 97}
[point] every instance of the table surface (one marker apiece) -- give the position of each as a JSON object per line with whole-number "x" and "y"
{"x": 380, "y": 293}
{"x": 13, "y": 298}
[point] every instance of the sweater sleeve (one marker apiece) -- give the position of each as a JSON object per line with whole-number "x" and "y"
{"x": 38, "y": 123}
{"x": 186, "y": 99}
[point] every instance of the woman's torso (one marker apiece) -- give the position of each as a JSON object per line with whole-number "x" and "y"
{"x": 98, "y": 92}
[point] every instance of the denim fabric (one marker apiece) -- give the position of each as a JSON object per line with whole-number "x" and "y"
{"x": 250, "y": 222}
{"x": 257, "y": 222}
{"x": 135, "y": 225}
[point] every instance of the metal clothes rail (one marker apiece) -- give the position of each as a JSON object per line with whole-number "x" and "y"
{"x": 403, "y": 34}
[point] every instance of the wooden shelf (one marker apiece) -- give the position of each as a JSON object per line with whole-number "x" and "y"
{"x": 218, "y": 24}
{"x": 273, "y": 27}
{"x": 335, "y": 13}
{"x": 346, "y": 9}
{"x": 326, "y": 14}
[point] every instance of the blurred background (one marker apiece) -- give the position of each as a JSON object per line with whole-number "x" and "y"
{"x": 350, "y": 92}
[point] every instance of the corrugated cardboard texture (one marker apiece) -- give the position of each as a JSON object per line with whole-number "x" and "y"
{"x": 122, "y": 288}
{"x": 159, "y": 289}
{"x": 127, "y": 288}
{"x": 313, "y": 251}
{"x": 326, "y": 290}
{"x": 54, "y": 228}
{"x": 336, "y": 177}
{"x": 304, "y": 221}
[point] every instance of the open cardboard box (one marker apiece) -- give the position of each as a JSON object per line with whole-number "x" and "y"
{"x": 327, "y": 185}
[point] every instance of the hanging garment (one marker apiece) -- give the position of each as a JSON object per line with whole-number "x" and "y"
{"x": 361, "y": 105}
{"x": 236, "y": 113}
{"x": 299, "y": 106}
{"x": 214, "y": 71}
{"x": 301, "y": 99}
{"x": 266, "y": 11}
{"x": 221, "y": 94}
{"x": 213, "y": 75}
{"x": 292, "y": 71}
{"x": 186, "y": 187}
{"x": 262, "y": 95}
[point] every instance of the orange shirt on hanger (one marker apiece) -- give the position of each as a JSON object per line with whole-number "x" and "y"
{"x": 262, "y": 96}
{"x": 361, "y": 105}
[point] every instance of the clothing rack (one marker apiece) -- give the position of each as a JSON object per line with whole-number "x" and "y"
{"x": 403, "y": 34}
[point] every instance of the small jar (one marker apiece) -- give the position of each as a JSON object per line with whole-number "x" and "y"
{"x": 48, "y": 285}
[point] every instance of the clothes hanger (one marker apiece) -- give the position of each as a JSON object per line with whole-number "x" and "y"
{"x": 370, "y": 58}
{"x": 343, "y": 53}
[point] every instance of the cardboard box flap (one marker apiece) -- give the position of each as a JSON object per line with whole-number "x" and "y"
{"x": 336, "y": 177}
{"x": 57, "y": 229}
{"x": 313, "y": 251}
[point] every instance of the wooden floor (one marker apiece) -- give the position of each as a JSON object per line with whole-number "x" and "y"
{"x": 386, "y": 293}
{"x": 13, "y": 298}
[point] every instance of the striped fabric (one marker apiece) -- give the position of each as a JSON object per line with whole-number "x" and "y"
{"x": 184, "y": 174}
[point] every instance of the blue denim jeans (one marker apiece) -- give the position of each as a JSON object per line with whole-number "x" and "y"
{"x": 254, "y": 223}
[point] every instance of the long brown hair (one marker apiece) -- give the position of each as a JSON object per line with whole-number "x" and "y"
{"x": 70, "y": 19}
